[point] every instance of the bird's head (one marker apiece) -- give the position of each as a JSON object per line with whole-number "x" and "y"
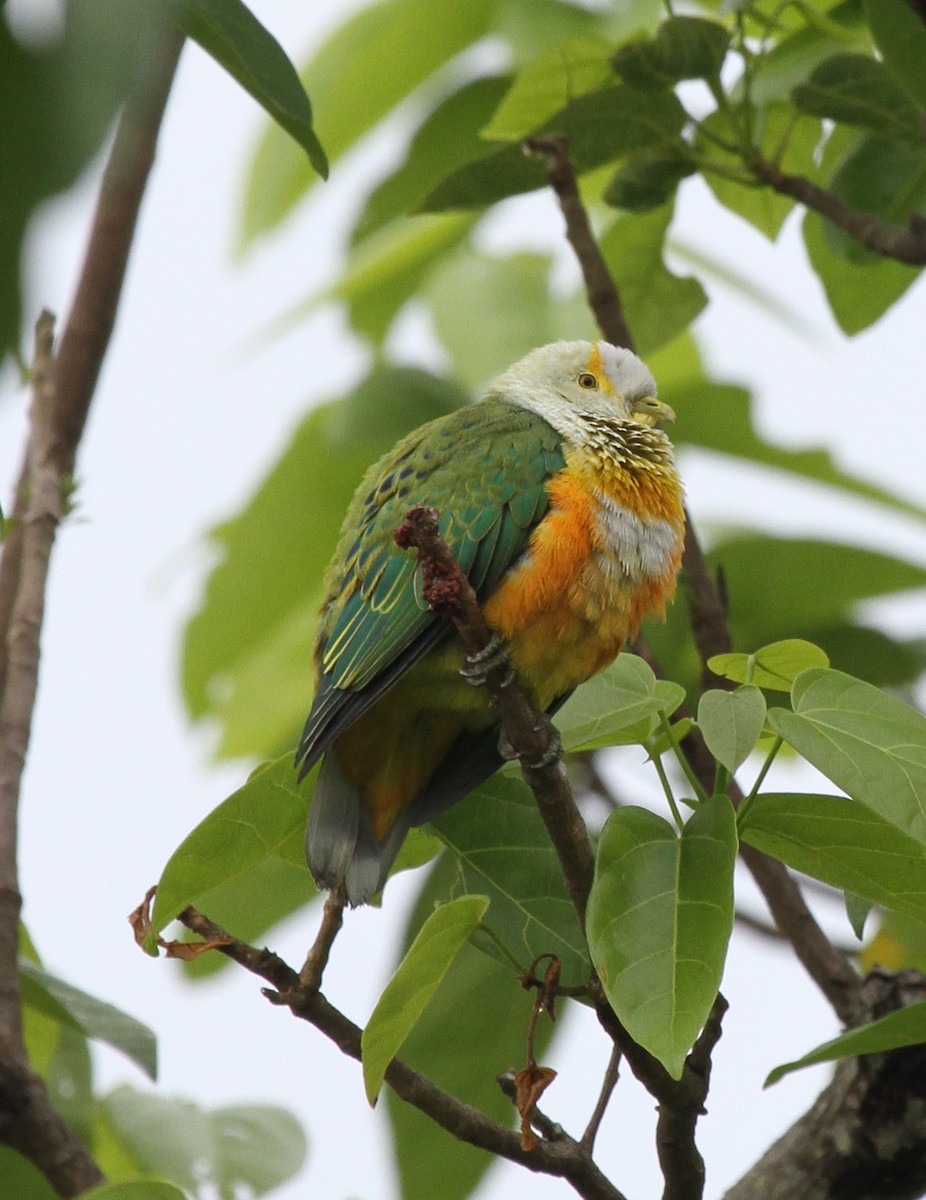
{"x": 571, "y": 383}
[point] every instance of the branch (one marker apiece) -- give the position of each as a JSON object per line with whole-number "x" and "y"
{"x": 829, "y": 969}
{"x": 562, "y": 1157}
{"x": 903, "y": 243}
{"x": 62, "y": 391}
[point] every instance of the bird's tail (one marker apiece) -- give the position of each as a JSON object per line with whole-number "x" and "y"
{"x": 339, "y": 846}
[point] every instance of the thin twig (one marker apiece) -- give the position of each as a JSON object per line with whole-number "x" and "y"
{"x": 562, "y": 1156}
{"x": 608, "y": 1084}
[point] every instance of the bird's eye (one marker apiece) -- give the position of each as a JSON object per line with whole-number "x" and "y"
{"x": 587, "y": 380}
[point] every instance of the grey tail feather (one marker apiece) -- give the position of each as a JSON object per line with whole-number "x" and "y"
{"x": 339, "y": 844}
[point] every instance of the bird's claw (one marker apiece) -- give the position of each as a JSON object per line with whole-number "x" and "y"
{"x": 552, "y": 754}
{"x": 477, "y": 667}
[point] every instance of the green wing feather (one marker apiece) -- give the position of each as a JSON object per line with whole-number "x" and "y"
{"x": 485, "y": 468}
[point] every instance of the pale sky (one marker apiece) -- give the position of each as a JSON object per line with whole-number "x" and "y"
{"x": 184, "y": 424}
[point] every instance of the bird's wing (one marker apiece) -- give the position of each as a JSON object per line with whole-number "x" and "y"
{"x": 485, "y": 468}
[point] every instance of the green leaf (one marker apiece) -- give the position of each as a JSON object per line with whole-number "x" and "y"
{"x": 94, "y": 1018}
{"x": 774, "y": 667}
{"x": 488, "y": 311}
{"x": 785, "y": 137}
{"x": 843, "y": 844}
{"x": 860, "y": 91}
{"x": 414, "y": 983}
{"x": 900, "y": 35}
{"x": 504, "y": 852}
{"x": 660, "y": 916}
{"x": 616, "y": 706}
{"x": 247, "y": 651}
{"x": 135, "y": 1189}
{"x": 868, "y": 743}
{"x": 858, "y": 911}
{"x": 907, "y": 1027}
{"x": 447, "y": 137}
{"x": 683, "y": 48}
{"x": 264, "y": 818}
{"x": 23, "y": 1181}
{"x": 547, "y": 85}
{"x": 483, "y": 1002}
{"x": 239, "y": 1147}
{"x": 658, "y": 305}
{"x": 352, "y": 92}
{"x": 229, "y": 32}
{"x": 731, "y": 723}
{"x": 602, "y": 126}
{"x": 648, "y": 180}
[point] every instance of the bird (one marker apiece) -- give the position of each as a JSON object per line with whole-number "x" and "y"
{"x": 559, "y": 497}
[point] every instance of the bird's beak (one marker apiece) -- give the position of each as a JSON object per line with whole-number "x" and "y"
{"x": 650, "y": 409}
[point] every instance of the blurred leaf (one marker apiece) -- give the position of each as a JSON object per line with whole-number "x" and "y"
{"x": 137, "y": 1189}
{"x": 602, "y": 126}
{"x": 92, "y": 1017}
{"x": 648, "y": 180}
{"x": 900, "y": 35}
{"x": 616, "y": 703}
{"x": 352, "y": 92}
{"x": 775, "y": 666}
{"x": 658, "y": 305}
{"x": 416, "y": 979}
{"x": 488, "y": 311}
{"x": 247, "y": 653}
{"x": 230, "y": 33}
{"x": 683, "y": 48}
{"x": 474, "y": 1027}
{"x": 796, "y": 56}
{"x": 718, "y": 417}
{"x": 23, "y": 1181}
{"x": 843, "y": 844}
{"x": 547, "y": 85}
{"x": 447, "y": 137}
{"x": 731, "y": 723}
{"x": 900, "y": 941}
{"x": 505, "y": 853}
{"x": 255, "y": 1146}
{"x": 70, "y": 1083}
{"x": 860, "y": 91}
{"x": 858, "y": 910}
{"x": 907, "y": 1027}
{"x": 660, "y": 916}
{"x": 386, "y": 269}
{"x": 783, "y": 136}
{"x": 867, "y": 742}
{"x": 265, "y": 818}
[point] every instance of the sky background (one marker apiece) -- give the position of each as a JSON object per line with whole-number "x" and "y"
{"x": 187, "y": 418}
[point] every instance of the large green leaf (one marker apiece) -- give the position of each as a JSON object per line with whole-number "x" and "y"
{"x": 648, "y": 180}
{"x": 860, "y": 91}
{"x": 657, "y": 304}
{"x": 505, "y": 853}
{"x": 488, "y": 311}
{"x": 900, "y": 35}
{"x": 135, "y": 1189}
{"x": 602, "y": 126}
{"x": 447, "y": 137}
{"x": 659, "y": 920}
{"x": 842, "y": 843}
{"x": 263, "y": 819}
{"x": 233, "y": 1148}
{"x": 548, "y": 84}
{"x": 23, "y": 1181}
{"x": 229, "y": 32}
{"x": 247, "y": 652}
{"x": 92, "y": 1017}
{"x": 775, "y": 666}
{"x": 683, "y": 48}
{"x": 485, "y": 1007}
{"x": 906, "y": 1027}
{"x": 352, "y": 91}
{"x": 868, "y": 743}
{"x": 616, "y": 706}
{"x": 731, "y": 723}
{"x": 415, "y": 981}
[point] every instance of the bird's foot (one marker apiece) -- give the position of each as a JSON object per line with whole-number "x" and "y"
{"x": 552, "y": 754}
{"x": 477, "y": 666}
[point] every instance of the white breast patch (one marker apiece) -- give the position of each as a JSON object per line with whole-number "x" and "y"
{"x": 642, "y": 549}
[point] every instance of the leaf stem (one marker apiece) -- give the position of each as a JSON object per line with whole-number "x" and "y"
{"x": 682, "y": 759}
{"x": 667, "y": 788}
{"x": 760, "y": 778}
